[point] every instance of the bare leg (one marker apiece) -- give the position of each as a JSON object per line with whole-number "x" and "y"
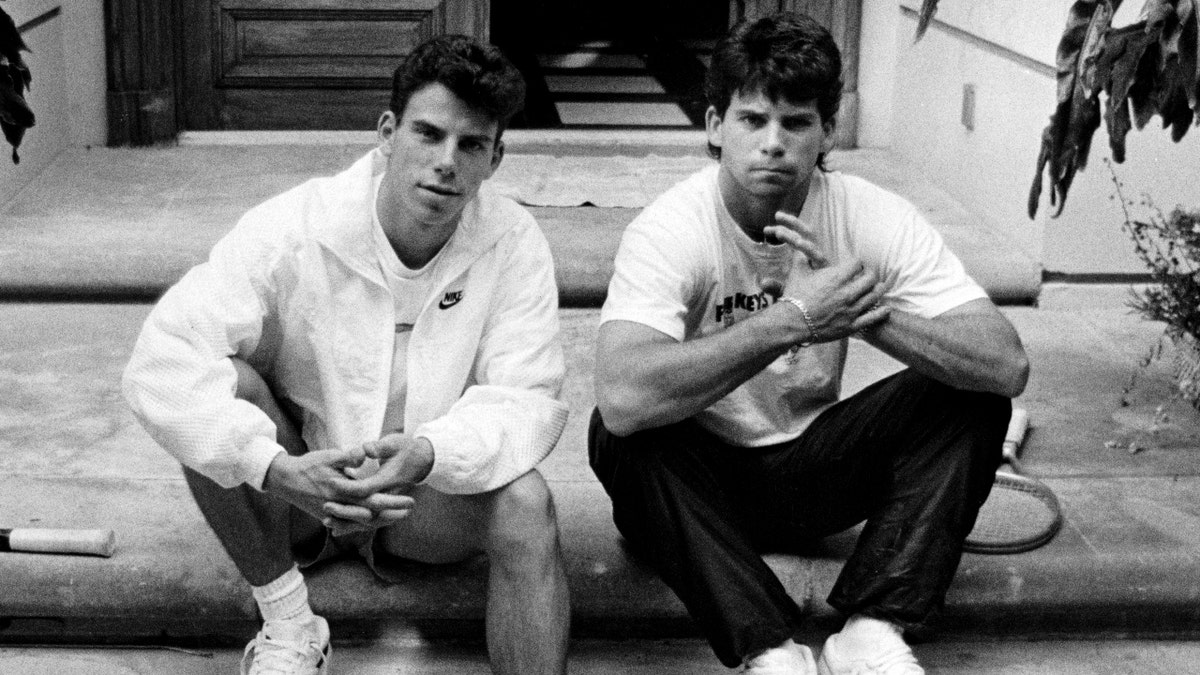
{"x": 253, "y": 527}
{"x": 528, "y": 613}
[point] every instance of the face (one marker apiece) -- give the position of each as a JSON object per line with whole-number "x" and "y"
{"x": 438, "y": 154}
{"x": 768, "y": 148}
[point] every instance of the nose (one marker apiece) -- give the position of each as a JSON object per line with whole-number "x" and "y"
{"x": 772, "y": 140}
{"x": 446, "y": 159}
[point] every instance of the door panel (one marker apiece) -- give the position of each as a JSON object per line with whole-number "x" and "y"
{"x": 308, "y": 64}
{"x": 332, "y": 48}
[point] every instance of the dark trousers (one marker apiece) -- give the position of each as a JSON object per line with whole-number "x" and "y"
{"x": 912, "y": 457}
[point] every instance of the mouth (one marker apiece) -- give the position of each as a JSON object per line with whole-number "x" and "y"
{"x": 440, "y": 190}
{"x": 773, "y": 171}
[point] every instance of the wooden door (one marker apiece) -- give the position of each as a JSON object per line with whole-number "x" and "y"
{"x": 304, "y": 64}
{"x": 843, "y": 18}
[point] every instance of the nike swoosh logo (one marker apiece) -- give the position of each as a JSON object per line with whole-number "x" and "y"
{"x": 451, "y": 299}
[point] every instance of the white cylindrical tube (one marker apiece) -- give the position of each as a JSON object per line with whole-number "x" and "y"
{"x": 39, "y": 540}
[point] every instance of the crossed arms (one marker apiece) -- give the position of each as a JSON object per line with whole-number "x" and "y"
{"x": 645, "y": 378}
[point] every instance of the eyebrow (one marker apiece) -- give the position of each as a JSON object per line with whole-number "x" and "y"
{"x": 803, "y": 115}
{"x": 420, "y": 124}
{"x": 751, "y": 109}
{"x": 482, "y": 138}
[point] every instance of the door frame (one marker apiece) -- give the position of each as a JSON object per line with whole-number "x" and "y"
{"x": 144, "y": 57}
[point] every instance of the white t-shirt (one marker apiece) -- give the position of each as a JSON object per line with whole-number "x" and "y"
{"x": 410, "y": 288}
{"x": 686, "y": 269}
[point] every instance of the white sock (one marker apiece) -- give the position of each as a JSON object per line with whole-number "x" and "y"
{"x": 865, "y": 635}
{"x": 284, "y": 599}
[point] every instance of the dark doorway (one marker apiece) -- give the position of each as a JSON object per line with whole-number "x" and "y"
{"x": 617, "y": 64}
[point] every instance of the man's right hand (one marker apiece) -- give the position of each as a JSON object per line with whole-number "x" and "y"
{"x": 316, "y": 479}
{"x": 841, "y": 299}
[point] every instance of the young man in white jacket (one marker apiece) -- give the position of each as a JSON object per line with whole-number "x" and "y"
{"x": 370, "y": 363}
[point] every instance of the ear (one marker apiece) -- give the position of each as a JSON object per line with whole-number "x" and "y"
{"x": 497, "y": 155}
{"x": 386, "y": 131}
{"x": 830, "y": 140}
{"x": 712, "y": 125}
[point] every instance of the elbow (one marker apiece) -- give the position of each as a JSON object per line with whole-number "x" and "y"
{"x": 619, "y": 420}
{"x": 133, "y": 389}
{"x": 1016, "y": 376}
{"x": 621, "y": 410}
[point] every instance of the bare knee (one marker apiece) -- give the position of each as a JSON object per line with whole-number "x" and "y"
{"x": 523, "y": 521}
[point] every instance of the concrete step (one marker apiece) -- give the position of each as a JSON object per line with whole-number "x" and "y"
{"x": 72, "y": 456}
{"x": 123, "y": 223}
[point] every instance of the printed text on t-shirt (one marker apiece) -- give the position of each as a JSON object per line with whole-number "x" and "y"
{"x": 750, "y": 302}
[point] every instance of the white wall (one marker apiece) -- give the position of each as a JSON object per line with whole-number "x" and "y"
{"x": 1006, "y": 49}
{"x": 877, "y": 55}
{"x": 67, "y": 62}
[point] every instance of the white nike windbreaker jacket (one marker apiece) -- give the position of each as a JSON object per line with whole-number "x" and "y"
{"x": 295, "y": 290}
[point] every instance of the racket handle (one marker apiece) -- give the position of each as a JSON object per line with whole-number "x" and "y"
{"x": 1018, "y": 424}
{"x": 37, "y": 540}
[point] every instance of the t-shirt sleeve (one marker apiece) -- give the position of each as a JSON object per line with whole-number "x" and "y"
{"x": 922, "y": 275}
{"x": 653, "y": 279}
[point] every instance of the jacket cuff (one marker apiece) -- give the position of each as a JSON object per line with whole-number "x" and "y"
{"x": 443, "y": 465}
{"x": 460, "y": 466}
{"x": 257, "y": 458}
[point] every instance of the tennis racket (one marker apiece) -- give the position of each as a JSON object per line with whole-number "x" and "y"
{"x": 1021, "y": 513}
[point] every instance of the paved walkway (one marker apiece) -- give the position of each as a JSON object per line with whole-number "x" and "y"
{"x": 597, "y": 657}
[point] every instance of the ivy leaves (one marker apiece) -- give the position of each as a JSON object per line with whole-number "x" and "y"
{"x": 15, "y": 115}
{"x": 1151, "y": 67}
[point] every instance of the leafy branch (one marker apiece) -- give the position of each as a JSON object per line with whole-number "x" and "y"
{"x": 1150, "y": 67}
{"x": 15, "y": 114}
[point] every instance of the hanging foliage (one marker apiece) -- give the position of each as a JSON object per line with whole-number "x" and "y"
{"x": 1145, "y": 69}
{"x": 15, "y": 114}
{"x": 1150, "y": 67}
{"x": 928, "y": 9}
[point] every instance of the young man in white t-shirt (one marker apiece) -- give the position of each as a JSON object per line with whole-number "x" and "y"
{"x": 369, "y": 364}
{"x": 719, "y": 433}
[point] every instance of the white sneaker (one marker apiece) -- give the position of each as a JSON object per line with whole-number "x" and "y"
{"x": 788, "y": 659}
{"x": 895, "y": 659}
{"x": 289, "y": 648}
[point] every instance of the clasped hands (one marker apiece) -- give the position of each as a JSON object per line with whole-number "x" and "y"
{"x": 842, "y": 297}
{"x": 336, "y": 487}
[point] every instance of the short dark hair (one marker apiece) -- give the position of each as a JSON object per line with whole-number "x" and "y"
{"x": 786, "y": 56}
{"x": 479, "y": 74}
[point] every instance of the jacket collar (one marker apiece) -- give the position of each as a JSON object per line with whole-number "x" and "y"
{"x": 348, "y": 212}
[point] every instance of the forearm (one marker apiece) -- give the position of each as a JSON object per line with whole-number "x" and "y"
{"x": 972, "y": 350}
{"x": 180, "y": 379}
{"x": 642, "y": 384}
{"x": 186, "y": 404}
